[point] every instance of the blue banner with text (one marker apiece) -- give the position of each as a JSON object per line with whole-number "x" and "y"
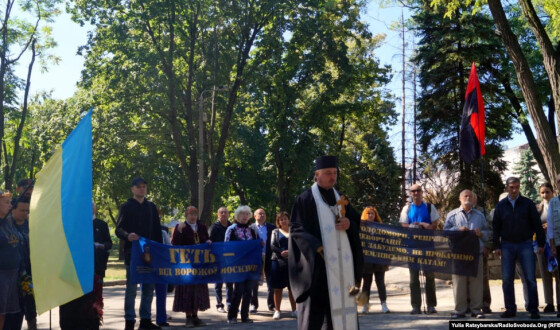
{"x": 220, "y": 262}
{"x": 452, "y": 252}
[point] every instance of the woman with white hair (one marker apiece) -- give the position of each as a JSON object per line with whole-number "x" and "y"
{"x": 240, "y": 231}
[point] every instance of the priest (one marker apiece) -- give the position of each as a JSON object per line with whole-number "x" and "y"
{"x": 325, "y": 259}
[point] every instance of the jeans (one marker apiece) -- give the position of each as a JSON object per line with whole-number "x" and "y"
{"x": 416, "y": 291}
{"x": 522, "y": 252}
{"x": 161, "y": 297}
{"x": 379, "y": 282}
{"x": 218, "y": 293}
{"x": 130, "y": 297}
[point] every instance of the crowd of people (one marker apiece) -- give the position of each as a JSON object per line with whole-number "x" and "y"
{"x": 315, "y": 253}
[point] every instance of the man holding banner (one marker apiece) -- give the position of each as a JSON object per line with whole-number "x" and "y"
{"x": 423, "y": 216}
{"x": 325, "y": 260}
{"x": 138, "y": 217}
{"x": 467, "y": 218}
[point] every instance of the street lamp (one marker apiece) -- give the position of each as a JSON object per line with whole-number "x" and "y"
{"x": 201, "y": 121}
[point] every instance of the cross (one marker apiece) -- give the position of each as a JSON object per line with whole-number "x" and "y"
{"x": 342, "y": 202}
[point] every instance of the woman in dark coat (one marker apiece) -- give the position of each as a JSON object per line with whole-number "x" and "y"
{"x": 370, "y": 214}
{"x": 191, "y": 298}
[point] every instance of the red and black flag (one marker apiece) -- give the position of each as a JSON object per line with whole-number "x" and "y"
{"x": 471, "y": 143}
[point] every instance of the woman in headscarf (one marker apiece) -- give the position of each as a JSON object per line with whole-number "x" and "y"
{"x": 370, "y": 214}
{"x": 194, "y": 297}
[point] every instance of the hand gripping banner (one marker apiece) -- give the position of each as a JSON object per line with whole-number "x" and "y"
{"x": 221, "y": 262}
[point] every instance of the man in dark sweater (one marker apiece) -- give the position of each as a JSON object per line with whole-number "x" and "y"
{"x": 217, "y": 233}
{"x": 138, "y": 217}
{"x": 515, "y": 221}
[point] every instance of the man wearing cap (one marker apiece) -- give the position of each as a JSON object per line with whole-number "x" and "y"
{"x": 138, "y": 217}
{"x": 326, "y": 260}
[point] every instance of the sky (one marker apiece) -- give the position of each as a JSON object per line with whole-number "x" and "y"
{"x": 62, "y": 78}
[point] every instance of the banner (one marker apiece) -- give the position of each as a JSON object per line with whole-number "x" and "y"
{"x": 219, "y": 262}
{"x": 454, "y": 252}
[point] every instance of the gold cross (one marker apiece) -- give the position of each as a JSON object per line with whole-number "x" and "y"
{"x": 342, "y": 202}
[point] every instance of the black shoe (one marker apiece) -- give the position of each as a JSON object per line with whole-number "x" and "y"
{"x": 197, "y": 322}
{"x": 432, "y": 310}
{"x": 271, "y": 308}
{"x": 468, "y": 311}
{"x": 147, "y": 324}
{"x": 478, "y": 315}
{"x": 162, "y": 324}
{"x": 549, "y": 308}
{"x": 486, "y": 310}
{"x": 508, "y": 314}
{"x": 232, "y": 321}
{"x": 457, "y": 316}
{"x": 415, "y": 310}
{"x": 535, "y": 315}
{"x": 129, "y": 324}
{"x": 247, "y": 320}
{"x": 189, "y": 323}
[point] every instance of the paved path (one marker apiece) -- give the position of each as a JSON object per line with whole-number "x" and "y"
{"x": 398, "y": 302}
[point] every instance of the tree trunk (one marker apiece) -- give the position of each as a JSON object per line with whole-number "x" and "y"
{"x": 551, "y": 58}
{"x": 545, "y": 139}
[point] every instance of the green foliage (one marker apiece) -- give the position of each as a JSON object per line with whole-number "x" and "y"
{"x": 528, "y": 175}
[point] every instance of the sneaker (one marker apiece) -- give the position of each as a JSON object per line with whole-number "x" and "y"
{"x": 432, "y": 310}
{"x": 365, "y": 309}
{"x": 294, "y": 314}
{"x": 129, "y": 324}
{"x": 147, "y": 324}
{"x": 384, "y": 308}
{"x": 478, "y": 315}
{"x": 276, "y": 315}
{"x": 508, "y": 314}
{"x": 415, "y": 310}
{"x": 253, "y": 309}
{"x": 221, "y": 310}
{"x": 549, "y": 308}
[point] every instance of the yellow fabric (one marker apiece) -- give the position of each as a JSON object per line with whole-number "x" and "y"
{"x": 55, "y": 281}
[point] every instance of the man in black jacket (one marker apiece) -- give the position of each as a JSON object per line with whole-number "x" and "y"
{"x": 217, "y": 233}
{"x": 515, "y": 221}
{"x": 138, "y": 217}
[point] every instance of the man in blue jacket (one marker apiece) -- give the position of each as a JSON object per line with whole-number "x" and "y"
{"x": 515, "y": 221}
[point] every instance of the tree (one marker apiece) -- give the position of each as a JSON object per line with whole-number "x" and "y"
{"x": 528, "y": 175}
{"x": 19, "y": 36}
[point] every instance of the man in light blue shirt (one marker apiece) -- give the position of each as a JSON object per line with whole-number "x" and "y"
{"x": 264, "y": 230}
{"x": 467, "y": 218}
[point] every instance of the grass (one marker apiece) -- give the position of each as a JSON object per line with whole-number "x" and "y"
{"x": 115, "y": 269}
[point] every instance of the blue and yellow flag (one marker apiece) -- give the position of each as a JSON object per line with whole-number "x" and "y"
{"x": 60, "y": 223}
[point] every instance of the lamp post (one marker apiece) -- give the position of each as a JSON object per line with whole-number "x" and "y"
{"x": 201, "y": 121}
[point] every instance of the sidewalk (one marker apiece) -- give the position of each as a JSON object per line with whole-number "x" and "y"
{"x": 398, "y": 301}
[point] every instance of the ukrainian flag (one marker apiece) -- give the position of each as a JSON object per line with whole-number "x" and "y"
{"x": 60, "y": 223}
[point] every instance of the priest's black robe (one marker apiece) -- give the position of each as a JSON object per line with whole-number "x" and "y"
{"x": 308, "y": 277}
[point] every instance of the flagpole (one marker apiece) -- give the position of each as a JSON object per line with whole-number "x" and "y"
{"x": 482, "y": 193}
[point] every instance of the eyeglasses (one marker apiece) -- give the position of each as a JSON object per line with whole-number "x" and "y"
{"x": 416, "y": 190}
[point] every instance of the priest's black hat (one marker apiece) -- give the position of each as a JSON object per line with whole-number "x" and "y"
{"x": 326, "y": 162}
